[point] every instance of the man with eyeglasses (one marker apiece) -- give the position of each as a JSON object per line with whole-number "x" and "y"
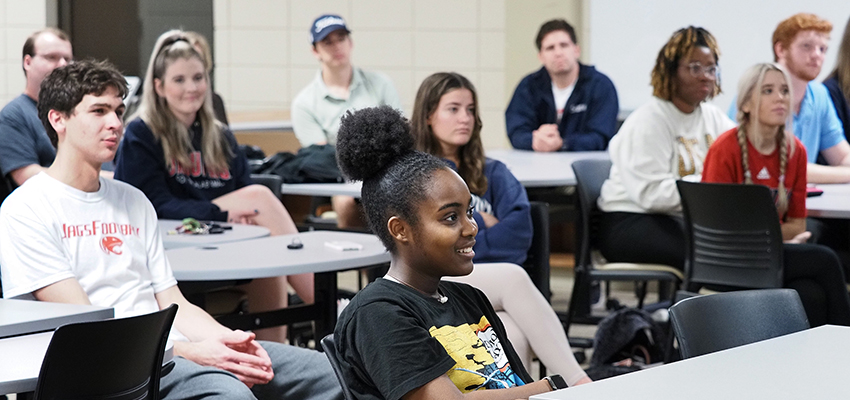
{"x": 799, "y": 45}
{"x": 565, "y": 105}
{"x": 25, "y": 149}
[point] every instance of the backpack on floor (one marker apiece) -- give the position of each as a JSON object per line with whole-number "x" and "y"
{"x": 626, "y": 340}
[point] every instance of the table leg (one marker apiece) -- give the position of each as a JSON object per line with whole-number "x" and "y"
{"x": 325, "y": 298}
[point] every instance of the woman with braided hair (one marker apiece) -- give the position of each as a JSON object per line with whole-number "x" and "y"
{"x": 763, "y": 150}
{"x": 662, "y": 141}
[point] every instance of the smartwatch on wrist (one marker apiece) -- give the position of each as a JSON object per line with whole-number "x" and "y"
{"x": 556, "y": 382}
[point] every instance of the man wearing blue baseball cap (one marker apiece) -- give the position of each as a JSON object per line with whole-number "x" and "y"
{"x": 337, "y": 88}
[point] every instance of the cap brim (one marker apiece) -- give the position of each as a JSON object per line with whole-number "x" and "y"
{"x": 325, "y": 34}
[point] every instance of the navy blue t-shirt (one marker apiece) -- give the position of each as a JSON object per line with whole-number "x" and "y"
{"x": 23, "y": 140}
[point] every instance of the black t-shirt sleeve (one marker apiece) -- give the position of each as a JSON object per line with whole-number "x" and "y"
{"x": 396, "y": 358}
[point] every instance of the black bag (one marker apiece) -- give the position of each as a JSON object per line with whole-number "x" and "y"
{"x": 626, "y": 341}
{"x": 313, "y": 164}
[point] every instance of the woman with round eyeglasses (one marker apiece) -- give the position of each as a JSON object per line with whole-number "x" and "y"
{"x": 659, "y": 143}
{"x": 189, "y": 165}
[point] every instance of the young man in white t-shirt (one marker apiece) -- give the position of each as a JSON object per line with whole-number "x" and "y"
{"x": 69, "y": 236}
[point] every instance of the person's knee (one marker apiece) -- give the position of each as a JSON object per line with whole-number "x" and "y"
{"x": 259, "y": 193}
{"x": 190, "y": 380}
{"x": 299, "y": 373}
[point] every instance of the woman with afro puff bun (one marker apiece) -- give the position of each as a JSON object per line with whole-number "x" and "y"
{"x": 411, "y": 335}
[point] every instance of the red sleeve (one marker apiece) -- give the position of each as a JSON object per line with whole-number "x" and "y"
{"x": 797, "y": 203}
{"x": 723, "y": 162}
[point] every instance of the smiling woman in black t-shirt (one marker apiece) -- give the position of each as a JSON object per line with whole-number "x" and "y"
{"x": 410, "y": 335}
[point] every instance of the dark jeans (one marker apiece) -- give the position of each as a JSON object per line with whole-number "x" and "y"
{"x": 816, "y": 274}
{"x": 642, "y": 238}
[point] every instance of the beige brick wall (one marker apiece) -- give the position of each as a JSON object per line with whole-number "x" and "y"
{"x": 263, "y": 53}
{"x": 18, "y": 19}
{"x": 263, "y": 50}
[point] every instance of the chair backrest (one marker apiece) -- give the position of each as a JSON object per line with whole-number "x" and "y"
{"x": 270, "y": 181}
{"x": 537, "y": 262}
{"x": 590, "y": 175}
{"x": 330, "y": 351}
{"x": 705, "y": 324}
{"x": 118, "y": 359}
{"x": 732, "y": 235}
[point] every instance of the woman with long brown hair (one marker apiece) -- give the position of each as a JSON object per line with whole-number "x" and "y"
{"x": 446, "y": 124}
{"x": 188, "y": 164}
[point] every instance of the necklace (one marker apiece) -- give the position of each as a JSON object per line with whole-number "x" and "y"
{"x": 436, "y": 296}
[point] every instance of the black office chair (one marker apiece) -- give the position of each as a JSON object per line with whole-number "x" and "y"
{"x": 590, "y": 265}
{"x": 537, "y": 262}
{"x": 114, "y": 359}
{"x": 733, "y": 237}
{"x": 705, "y": 324}
{"x": 330, "y": 351}
{"x": 273, "y": 182}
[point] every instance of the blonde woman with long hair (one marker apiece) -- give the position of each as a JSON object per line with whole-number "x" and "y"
{"x": 189, "y": 165}
{"x": 762, "y": 150}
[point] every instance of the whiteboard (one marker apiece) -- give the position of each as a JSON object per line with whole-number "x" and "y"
{"x": 624, "y": 37}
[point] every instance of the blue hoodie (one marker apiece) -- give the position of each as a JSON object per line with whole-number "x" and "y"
{"x": 505, "y": 199}
{"x": 590, "y": 116}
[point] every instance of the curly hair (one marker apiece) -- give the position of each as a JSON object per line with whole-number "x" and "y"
{"x": 65, "y": 87}
{"x": 374, "y": 145}
{"x": 679, "y": 46}
{"x": 470, "y": 155}
{"x": 789, "y": 28}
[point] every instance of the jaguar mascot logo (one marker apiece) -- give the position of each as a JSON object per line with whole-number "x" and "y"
{"x": 111, "y": 245}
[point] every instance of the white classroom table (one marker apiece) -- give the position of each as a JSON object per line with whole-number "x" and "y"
{"x": 239, "y": 233}
{"x": 270, "y": 257}
{"x": 833, "y": 203}
{"x": 21, "y": 317}
{"x": 322, "y": 189}
{"x": 811, "y": 364}
{"x": 26, "y": 327}
{"x": 531, "y": 169}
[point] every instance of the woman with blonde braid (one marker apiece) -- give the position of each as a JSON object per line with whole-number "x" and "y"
{"x": 763, "y": 150}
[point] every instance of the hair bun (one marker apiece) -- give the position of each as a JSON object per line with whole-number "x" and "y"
{"x": 370, "y": 139}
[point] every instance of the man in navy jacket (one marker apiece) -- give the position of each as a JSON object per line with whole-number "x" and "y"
{"x": 564, "y": 106}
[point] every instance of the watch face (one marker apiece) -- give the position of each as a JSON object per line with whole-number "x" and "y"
{"x": 558, "y": 382}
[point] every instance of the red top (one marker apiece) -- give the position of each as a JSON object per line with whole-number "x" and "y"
{"x": 723, "y": 165}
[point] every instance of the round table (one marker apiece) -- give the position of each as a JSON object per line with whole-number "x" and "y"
{"x": 239, "y": 233}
